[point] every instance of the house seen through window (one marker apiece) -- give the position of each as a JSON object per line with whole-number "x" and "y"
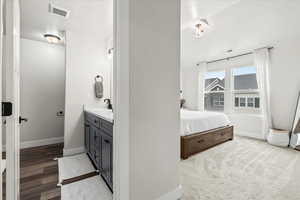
{"x": 245, "y": 89}
{"x": 214, "y": 91}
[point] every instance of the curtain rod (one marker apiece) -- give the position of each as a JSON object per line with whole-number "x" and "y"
{"x": 244, "y": 54}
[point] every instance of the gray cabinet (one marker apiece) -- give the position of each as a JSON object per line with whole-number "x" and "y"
{"x": 107, "y": 158}
{"x": 99, "y": 145}
{"x": 87, "y": 136}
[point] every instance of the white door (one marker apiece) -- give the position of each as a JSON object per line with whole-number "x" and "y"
{"x": 13, "y": 95}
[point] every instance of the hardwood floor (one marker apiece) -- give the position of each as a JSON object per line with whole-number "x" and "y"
{"x": 39, "y": 173}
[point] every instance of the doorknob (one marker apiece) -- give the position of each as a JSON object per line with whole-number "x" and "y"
{"x": 22, "y": 119}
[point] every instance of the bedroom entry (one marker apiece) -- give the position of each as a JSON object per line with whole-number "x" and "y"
{"x": 240, "y": 72}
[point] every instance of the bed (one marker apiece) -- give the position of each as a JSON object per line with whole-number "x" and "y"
{"x": 203, "y": 130}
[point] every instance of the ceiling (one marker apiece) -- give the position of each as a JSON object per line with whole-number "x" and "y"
{"x": 91, "y": 17}
{"x": 193, "y": 10}
{"x": 238, "y": 25}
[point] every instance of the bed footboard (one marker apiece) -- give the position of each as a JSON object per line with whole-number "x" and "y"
{"x": 192, "y": 144}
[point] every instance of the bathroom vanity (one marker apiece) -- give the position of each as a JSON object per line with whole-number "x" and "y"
{"x": 99, "y": 141}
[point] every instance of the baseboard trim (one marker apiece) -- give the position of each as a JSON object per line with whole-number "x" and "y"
{"x": 249, "y": 134}
{"x": 37, "y": 143}
{"x": 173, "y": 195}
{"x": 73, "y": 151}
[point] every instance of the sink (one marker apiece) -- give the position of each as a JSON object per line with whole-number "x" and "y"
{"x": 103, "y": 113}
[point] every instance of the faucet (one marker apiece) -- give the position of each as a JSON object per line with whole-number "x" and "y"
{"x": 109, "y": 105}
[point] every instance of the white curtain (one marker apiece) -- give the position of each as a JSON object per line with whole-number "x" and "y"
{"x": 262, "y": 62}
{"x": 202, "y": 68}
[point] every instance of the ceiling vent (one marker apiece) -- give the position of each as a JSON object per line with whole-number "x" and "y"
{"x": 59, "y": 11}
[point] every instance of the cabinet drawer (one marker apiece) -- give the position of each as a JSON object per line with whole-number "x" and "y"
{"x": 107, "y": 127}
{"x": 93, "y": 120}
{"x": 87, "y": 117}
{"x": 222, "y": 136}
{"x": 201, "y": 143}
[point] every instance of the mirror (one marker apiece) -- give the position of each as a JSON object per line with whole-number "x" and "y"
{"x": 295, "y": 133}
{"x": 296, "y": 123}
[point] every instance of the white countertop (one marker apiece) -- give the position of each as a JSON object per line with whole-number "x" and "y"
{"x": 103, "y": 113}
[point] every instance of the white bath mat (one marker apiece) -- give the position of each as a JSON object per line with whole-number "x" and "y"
{"x": 74, "y": 166}
{"x": 88, "y": 189}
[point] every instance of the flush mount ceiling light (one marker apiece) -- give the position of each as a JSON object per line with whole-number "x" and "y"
{"x": 201, "y": 27}
{"x": 53, "y": 39}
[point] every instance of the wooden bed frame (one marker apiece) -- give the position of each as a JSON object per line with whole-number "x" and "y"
{"x": 195, "y": 143}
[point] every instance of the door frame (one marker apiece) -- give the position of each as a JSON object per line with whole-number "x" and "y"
{"x": 1, "y": 54}
{"x": 121, "y": 146}
{"x": 13, "y": 95}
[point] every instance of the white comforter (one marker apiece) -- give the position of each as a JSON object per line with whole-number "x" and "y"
{"x": 196, "y": 121}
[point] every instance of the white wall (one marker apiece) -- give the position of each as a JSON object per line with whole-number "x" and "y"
{"x": 285, "y": 85}
{"x": 42, "y": 90}
{"x": 3, "y": 85}
{"x": 85, "y": 59}
{"x": 190, "y": 76}
{"x": 148, "y": 72}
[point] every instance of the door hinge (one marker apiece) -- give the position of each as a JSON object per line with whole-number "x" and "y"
{"x": 6, "y": 109}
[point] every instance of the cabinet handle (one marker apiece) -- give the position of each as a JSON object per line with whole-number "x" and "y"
{"x": 96, "y": 121}
{"x": 106, "y": 141}
{"x": 200, "y": 141}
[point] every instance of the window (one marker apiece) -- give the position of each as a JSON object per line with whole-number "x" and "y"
{"x": 257, "y": 102}
{"x": 242, "y": 88}
{"x": 250, "y": 102}
{"x": 245, "y": 88}
{"x": 240, "y": 101}
{"x": 214, "y": 91}
{"x": 219, "y": 101}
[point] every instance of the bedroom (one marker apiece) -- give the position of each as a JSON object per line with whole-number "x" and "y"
{"x": 249, "y": 78}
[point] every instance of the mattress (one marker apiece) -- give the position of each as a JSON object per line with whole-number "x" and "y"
{"x": 196, "y": 121}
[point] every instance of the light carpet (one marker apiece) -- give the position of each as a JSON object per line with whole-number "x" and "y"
{"x": 74, "y": 166}
{"x": 242, "y": 169}
{"x": 88, "y": 189}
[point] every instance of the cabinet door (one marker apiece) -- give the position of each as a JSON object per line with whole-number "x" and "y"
{"x": 92, "y": 135}
{"x": 107, "y": 158}
{"x": 87, "y": 137}
{"x": 97, "y": 148}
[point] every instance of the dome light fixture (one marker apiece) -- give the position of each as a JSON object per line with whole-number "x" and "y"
{"x": 53, "y": 39}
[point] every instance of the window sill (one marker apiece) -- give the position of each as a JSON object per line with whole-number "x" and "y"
{"x": 247, "y": 114}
